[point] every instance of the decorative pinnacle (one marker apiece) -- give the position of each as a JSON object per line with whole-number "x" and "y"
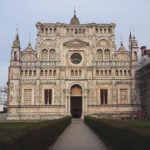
{"x": 74, "y": 10}
{"x": 121, "y": 41}
{"x": 121, "y": 44}
{"x": 29, "y": 37}
{"x": 130, "y": 36}
{"x": 17, "y": 35}
{"x": 17, "y": 30}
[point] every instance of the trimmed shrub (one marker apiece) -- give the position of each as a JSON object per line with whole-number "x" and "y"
{"x": 32, "y": 136}
{"x": 121, "y": 135}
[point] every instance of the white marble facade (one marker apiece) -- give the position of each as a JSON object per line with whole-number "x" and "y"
{"x": 72, "y": 60}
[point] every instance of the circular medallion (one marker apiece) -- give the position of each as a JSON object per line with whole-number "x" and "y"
{"x": 76, "y": 58}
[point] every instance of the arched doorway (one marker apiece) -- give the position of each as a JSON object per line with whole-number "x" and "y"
{"x": 76, "y": 101}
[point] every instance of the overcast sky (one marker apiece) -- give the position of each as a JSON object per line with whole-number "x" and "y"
{"x": 128, "y": 15}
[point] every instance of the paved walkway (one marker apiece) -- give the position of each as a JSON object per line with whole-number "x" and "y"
{"x": 78, "y": 136}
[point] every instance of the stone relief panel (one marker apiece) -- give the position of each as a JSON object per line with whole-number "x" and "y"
{"x": 29, "y": 57}
{"x": 27, "y": 96}
{"x": 123, "y": 96}
{"x": 122, "y": 57}
{"x": 103, "y": 43}
{"x": 48, "y": 43}
{"x": 14, "y": 73}
{"x": 14, "y": 92}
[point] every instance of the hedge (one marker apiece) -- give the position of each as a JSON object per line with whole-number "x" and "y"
{"x": 121, "y": 135}
{"x": 31, "y": 136}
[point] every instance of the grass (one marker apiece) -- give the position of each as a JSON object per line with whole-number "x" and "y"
{"x": 15, "y": 125}
{"x": 140, "y": 123}
{"x": 25, "y": 125}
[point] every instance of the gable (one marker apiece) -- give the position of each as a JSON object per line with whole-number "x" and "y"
{"x": 76, "y": 43}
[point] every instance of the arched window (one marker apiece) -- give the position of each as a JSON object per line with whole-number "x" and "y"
{"x": 129, "y": 72}
{"x": 15, "y": 55}
{"x": 109, "y": 72}
{"x": 100, "y": 54}
{"x": 41, "y": 73}
{"x": 80, "y": 72}
{"x": 102, "y": 72}
{"x": 107, "y": 54}
{"x": 50, "y": 72}
{"x": 42, "y": 30}
{"x": 76, "y": 72}
{"x": 117, "y": 73}
{"x": 54, "y": 73}
{"x": 121, "y": 72}
{"x": 46, "y": 30}
{"x": 97, "y": 72}
{"x": 26, "y": 72}
{"x": 52, "y": 51}
{"x": 21, "y": 73}
{"x": 45, "y": 72}
{"x": 50, "y": 30}
{"x": 76, "y": 31}
{"x": 105, "y": 72}
{"x": 44, "y": 54}
{"x": 97, "y": 30}
{"x": 30, "y": 73}
{"x": 52, "y": 54}
{"x": 34, "y": 73}
{"x": 72, "y": 72}
{"x": 135, "y": 56}
{"x": 125, "y": 72}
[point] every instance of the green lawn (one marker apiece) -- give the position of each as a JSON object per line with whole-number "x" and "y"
{"x": 141, "y": 123}
{"x": 21, "y": 125}
{"x": 15, "y": 125}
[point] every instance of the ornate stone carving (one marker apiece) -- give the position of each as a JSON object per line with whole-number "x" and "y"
{"x": 122, "y": 57}
{"x": 81, "y": 56}
{"x": 103, "y": 43}
{"x": 48, "y": 43}
{"x": 29, "y": 57}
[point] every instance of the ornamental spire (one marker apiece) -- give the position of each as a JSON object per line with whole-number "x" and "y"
{"x": 74, "y": 11}
{"x": 74, "y": 20}
{"x": 16, "y": 42}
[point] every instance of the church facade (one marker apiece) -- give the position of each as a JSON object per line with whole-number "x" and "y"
{"x": 75, "y": 69}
